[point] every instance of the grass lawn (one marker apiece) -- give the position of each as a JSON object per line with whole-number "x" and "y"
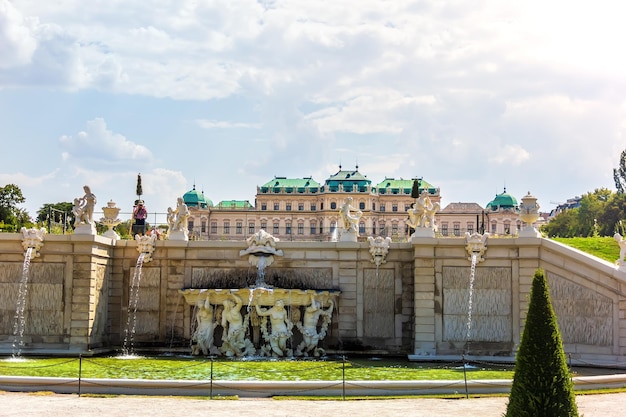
{"x": 603, "y": 247}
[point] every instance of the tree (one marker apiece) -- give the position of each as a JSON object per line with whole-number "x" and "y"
{"x": 564, "y": 224}
{"x": 56, "y": 213}
{"x": 542, "y": 384}
{"x": 10, "y": 215}
{"x": 139, "y": 187}
{"x": 619, "y": 174}
{"x": 415, "y": 191}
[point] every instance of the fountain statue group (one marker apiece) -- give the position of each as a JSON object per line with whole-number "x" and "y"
{"x": 242, "y": 325}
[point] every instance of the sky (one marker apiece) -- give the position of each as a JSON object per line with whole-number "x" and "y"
{"x": 473, "y": 97}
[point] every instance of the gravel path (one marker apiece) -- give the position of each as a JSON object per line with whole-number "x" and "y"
{"x": 44, "y": 405}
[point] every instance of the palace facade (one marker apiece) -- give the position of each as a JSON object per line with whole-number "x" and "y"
{"x": 304, "y": 209}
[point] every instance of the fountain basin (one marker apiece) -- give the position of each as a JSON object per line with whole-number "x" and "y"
{"x": 261, "y": 296}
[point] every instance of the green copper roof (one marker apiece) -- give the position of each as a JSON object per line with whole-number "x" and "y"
{"x": 195, "y": 199}
{"x": 234, "y": 205}
{"x": 504, "y": 201}
{"x": 290, "y": 185}
{"x": 291, "y": 182}
{"x": 402, "y": 186}
{"x": 348, "y": 179}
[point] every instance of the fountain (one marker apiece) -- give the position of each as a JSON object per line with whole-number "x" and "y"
{"x": 264, "y": 327}
{"x": 32, "y": 241}
{"x": 476, "y": 247}
{"x": 379, "y": 247}
{"x": 145, "y": 246}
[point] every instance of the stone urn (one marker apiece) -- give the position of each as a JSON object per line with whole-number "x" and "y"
{"x": 529, "y": 213}
{"x": 110, "y": 220}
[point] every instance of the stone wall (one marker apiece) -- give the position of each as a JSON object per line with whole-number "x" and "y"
{"x": 416, "y": 303}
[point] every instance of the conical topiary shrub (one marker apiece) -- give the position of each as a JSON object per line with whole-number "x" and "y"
{"x": 542, "y": 385}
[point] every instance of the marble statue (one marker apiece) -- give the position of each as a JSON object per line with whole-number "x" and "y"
{"x": 308, "y": 328}
{"x": 32, "y": 238}
{"x": 476, "y": 245}
{"x": 422, "y": 213}
{"x": 145, "y": 245}
{"x": 350, "y": 217}
{"x": 205, "y": 326}
{"x": 84, "y": 206}
{"x": 280, "y": 329}
{"x": 177, "y": 220}
{"x": 261, "y": 250}
{"x": 234, "y": 342}
{"x": 379, "y": 247}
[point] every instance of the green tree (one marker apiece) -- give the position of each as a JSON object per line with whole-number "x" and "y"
{"x": 56, "y": 214}
{"x": 542, "y": 384}
{"x": 11, "y": 216}
{"x": 415, "y": 191}
{"x": 619, "y": 174}
{"x": 565, "y": 224}
{"x": 591, "y": 209}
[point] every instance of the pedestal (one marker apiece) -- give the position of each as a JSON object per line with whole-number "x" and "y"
{"x": 85, "y": 229}
{"x": 348, "y": 236}
{"x": 423, "y": 232}
{"x": 179, "y": 235}
{"x": 529, "y": 231}
{"x": 111, "y": 234}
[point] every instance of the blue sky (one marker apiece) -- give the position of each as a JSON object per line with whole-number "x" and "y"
{"x": 471, "y": 96}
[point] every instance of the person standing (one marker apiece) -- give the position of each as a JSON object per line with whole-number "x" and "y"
{"x": 139, "y": 215}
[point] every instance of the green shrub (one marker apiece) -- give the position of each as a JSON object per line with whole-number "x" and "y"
{"x": 542, "y": 384}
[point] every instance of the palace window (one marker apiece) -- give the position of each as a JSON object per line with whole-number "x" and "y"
{"x": 239, "y": 228}
{"x": 263, "y": 206}
{"x": 362, "y": 228}
{"x": 300, "y": 228}
{"x": 457, "y": 228}
{"x": 264, "y": 225}
{"x": 300, "y": 206}
{"x": 333, "y": 205}
{"x": 382, "y": 207}
{"x": 313, "y": 228}
{"x": 444, "y": 229}
{"x": 362, "y": 205}
{"x": 288, "y": 208}
{"x": 213, "y": 227}
{"x": 251, "y": 228}
{"x": 313, "y": 207}
{"x": 276, "y": 228}
{"x": 275, "y": 206}
{"x": 394, "y": 207}
{"x": 288, "y": 228}
{"x": 226, "y": 228}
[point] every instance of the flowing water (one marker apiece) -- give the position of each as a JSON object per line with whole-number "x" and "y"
{"x": 469, "y": 303}
{"x": 133, "y": 300}
{"x": 20, "y": 319}
{"x": 260, "y": 277}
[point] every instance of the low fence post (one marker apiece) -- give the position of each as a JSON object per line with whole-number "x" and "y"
{"x": 80, "y": 371}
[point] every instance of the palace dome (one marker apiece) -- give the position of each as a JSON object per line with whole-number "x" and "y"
{"x": 193, "y": 198}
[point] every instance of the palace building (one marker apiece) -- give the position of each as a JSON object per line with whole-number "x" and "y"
{"x": 304, "y": 209}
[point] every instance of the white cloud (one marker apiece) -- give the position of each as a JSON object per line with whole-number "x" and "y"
{"x": 509, "y": 155}
{"x": 17, "y": 43}
{"x": 99, "y": 143}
